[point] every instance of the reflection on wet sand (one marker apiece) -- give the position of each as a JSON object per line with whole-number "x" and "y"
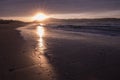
{"x": 34, "y": 35}
{"x": 48, "y": 72}
{"x": 41, "y": 45}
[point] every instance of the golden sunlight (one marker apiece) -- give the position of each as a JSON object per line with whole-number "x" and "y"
{"x": 40, "y": 31}
{"x": 40, "y": 17}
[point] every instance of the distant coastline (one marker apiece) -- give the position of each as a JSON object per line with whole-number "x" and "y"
{"x": 63, "y": 20}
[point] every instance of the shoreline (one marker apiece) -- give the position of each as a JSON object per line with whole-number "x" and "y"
{"x": 72, "y": 59}
{"x": 11, "y": 43}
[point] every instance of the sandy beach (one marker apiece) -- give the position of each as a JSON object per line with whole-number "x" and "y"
{"x": 35, "y": 52}
{"x": 59, "y": 39}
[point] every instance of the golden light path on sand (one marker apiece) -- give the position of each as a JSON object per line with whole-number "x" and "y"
{"x": 41, "y": 45}
{"x": 34, "y": 36}
{"x": 48, "y": 71}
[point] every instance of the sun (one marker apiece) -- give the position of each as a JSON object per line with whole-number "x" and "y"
{"x": 40, "y": 17}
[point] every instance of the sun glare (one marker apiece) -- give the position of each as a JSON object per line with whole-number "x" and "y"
{"x": 40, "y": 17}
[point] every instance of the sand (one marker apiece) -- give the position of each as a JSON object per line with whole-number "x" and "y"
{"x": 72, "y": 59}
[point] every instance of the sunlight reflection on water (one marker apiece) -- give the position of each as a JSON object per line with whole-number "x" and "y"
{"x": 47, "y": 67}
{"x": 40, "y": 31}
{"x": 41, "y": 45}
{"x": 34, "y": 36}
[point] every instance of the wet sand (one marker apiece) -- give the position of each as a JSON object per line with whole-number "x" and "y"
{"x": 76, "y": 60}
{"x": 11, "y": 51}
{"x": 58, "y": 56}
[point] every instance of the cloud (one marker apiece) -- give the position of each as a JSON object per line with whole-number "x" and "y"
{"x": 29, "y": 7}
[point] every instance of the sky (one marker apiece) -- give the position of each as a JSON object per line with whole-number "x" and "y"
{"x": 20, "y": 9}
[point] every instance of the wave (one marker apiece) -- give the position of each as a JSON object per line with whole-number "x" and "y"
{"x": 112, "y": 30}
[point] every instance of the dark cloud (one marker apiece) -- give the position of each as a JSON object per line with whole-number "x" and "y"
{"x": 28, "y": 7}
